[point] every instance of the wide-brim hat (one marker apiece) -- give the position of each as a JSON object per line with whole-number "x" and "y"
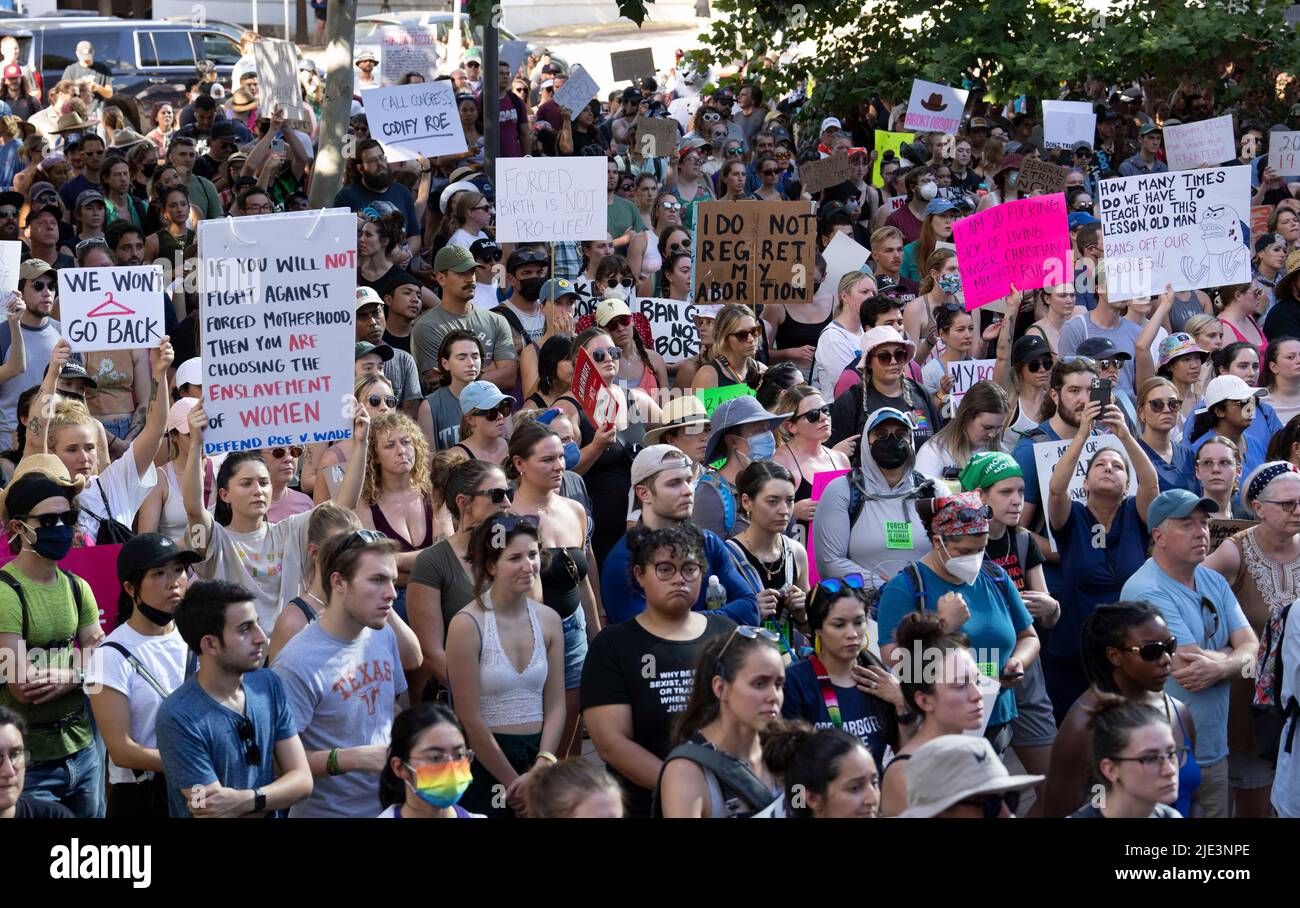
{"x": 72, "y": 122}
{"x": 739, "y": 411}
{"x": 687, "y": 410}
{"x": 47, "y": 464}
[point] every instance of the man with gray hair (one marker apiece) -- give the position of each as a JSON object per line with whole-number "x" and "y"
{"x": 87, "y": 72}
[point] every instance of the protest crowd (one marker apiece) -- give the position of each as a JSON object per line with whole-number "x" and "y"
{"x": 850, "y": 449}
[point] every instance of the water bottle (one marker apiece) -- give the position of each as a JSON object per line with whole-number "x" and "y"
{"x": 716, "y": 597}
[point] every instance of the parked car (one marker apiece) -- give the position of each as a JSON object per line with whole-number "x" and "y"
{"x": 150, "y": 60}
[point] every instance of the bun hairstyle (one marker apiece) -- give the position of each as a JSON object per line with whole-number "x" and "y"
{"x": 1114, "y": 719}
{"x": 558, "y": 789}
{"x": 920, "y": 636}
{"x": 455, "y": 473}
{"x": 806, "y": 758}
{"x": 1105, "y": 629}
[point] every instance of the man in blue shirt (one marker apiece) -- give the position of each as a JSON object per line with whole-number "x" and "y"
{"x": 373, "y": 182}
{"x": 663, "y": 481}
{"x": 222, "y": 732}
{"x": 1215, "y": 641}
{"x": 1145, "y": 161}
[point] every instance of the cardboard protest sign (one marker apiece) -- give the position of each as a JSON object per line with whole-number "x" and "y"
{"x": 819, "y": 483}
{"x": 111, "y": 308}
{"x": 656, "y": 136}
{"x": 934, "y": 108}
{"x": 598, "y": 401}
{"x": 1025, "y": 242}
{"x": 277, "y": 79}
{"x": 672, "y": 322}
{"x": 1184, "y": 228}
{"x": 1189, "y": 145}
{"x": 278, "y": 294}
{"x": 818, "y": 175}
{"x": 408, "y": 49}
{"x": 416, "y": 119}
{"x": 1284, "y": 152}
{"x": 513, "y": 54}
{"x": 1040, "y": 177}
{"x": 968, "y": 372}
{"x": 97, "y": 565}
{"x": 887, "y": 141}
{"x": 11, "y": 258}
{"x": 1047, "y": 454}
{"x": 1067, "y": 122}
{"x": 1221, "y": 529}
{"x": 551, "y": 199}
{"x": 578, "y": 91}
{"x": 630, "y": 65}
{"x": 754, "y": 252}
{"x": 712, "y": 397}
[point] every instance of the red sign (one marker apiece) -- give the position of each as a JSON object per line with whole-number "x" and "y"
{"x": 1259, "y": 215}
{"x": 97, "y": 565}
{"x": 598, "y": 402}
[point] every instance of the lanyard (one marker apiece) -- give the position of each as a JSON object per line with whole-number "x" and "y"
{"x": 828, "y": 692}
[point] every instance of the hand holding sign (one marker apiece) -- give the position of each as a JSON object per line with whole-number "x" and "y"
{"x": 161, "y": 359}
{"x": 15, "y": 309}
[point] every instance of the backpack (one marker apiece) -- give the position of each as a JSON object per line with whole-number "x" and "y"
{"x": 858, "y": 494}
{"x": 1269, "y": 715}
{"x": 714, "y": 480}
{"x": 111, "y": 531}
{"x": 8, "y": 580}
{"x": 738, "y": 782}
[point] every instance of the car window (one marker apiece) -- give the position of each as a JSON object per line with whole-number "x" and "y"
{"x": 170, "y": 48}
{"x": 61, "y": 47}
{"x": 217, "y": 47}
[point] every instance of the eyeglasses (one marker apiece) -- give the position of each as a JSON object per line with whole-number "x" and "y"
{"x": 248, "y": 735}
{"x": 498, "y": 496}
{"x": 8, "y": 213}
{"x": 38, "y": 285}
{"x": 839, "y": 584}
{"x": 670, "y": 205}
{"x": 49, "y": 521}
{"x": 500, "y": 411}
{"x": 1159, "y": 405}
{"x": 993, "y": 803}
{"x": 817, "y": 415}
{"x": 1287, "y": 506}
{"x": 92, "y": 243}
{"x": 278, "y": 453}
{"x": 442, "y": 759}
{"x": 749, "y": 632}
{"x": 746, "y": 334}
{"x": 618, "y": 324}
{"x": 1042, "y": 364}
{"x": 610, "y": 353}
{"x": 1228, "y": 465}
{"x": 389, "y": 401}
{"x": 1153, "y": 650}
{"x": 666, "y": 570}
{"x": 17, "y": 757}
{"x": 1153, "y": 762}
{"x": 885, "y": 357}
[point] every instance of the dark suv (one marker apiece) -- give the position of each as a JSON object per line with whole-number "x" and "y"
{"x": 150, "y": 60}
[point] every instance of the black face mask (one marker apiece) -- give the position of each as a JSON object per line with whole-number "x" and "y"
{"x": 148, "y": 169}
{"x": 156, "y": 616}
{"x": 890, "y": 452}
{"x": 531, "y": 287}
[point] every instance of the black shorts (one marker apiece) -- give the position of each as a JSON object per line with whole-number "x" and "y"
{"x": 320, "y": 12}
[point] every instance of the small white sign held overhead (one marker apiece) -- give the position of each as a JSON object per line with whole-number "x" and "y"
{"x": 415, "y": 119}
{"x": 1066, "y": 123}
{"x": 549, "y": 200}
{"x": 111, "y": 308}
{"x": 1192, "y": 145}
{"x": 934, "y": 107}
{"x": 578, "y": 91}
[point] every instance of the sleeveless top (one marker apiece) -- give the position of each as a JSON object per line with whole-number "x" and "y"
{"x": 507, "y": 696}
{"x": 1189, "y": 774}
{"x": 725, "y": 374}
{"x": 791, "y": 333}
{"x": 1262, "y": 348}
{"x": 383, "y": 526}
{"x": 1185, "y": 306}
{"x": 172, "y": 521}
{"x": 561, "y": 578}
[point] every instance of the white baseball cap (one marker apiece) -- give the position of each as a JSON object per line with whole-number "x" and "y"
{"x": 1228, "y": 387}
{"x": 190, "y": 372}
{"x": 829, "y": 122}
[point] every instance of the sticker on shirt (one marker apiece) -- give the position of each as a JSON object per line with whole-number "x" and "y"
{"x": 922, "y": 422}
{"x": 898, "y": 534}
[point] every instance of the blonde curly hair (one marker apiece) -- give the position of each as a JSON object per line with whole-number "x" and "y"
{"x": 421, "y": 477}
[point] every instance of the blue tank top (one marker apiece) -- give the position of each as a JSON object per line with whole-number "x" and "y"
{"x": 1189, "y": 775}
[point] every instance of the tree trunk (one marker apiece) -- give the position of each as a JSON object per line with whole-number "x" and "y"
{"x": 327, "y": 171}
{"x": 491, "y": 97}
{"x": 301, "y": 25}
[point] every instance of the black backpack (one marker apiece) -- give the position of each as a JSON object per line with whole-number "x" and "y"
{"x": 858, "y": 493}
{"x": 111, "y": 531}
{"x": 739, "y": 784}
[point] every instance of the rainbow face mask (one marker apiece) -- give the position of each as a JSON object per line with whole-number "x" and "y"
{"x": 443, "y": 784}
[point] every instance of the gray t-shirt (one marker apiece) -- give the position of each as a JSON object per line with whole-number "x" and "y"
{"x": 341, "y": 694}
{"x": 431, "y": 327}
{"x": 445, "y": 410}
{"x": 38, "y": 344}
{"x": 404, "y": 377}
{"x": 1124, "y": 336}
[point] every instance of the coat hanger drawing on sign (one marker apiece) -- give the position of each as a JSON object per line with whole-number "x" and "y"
{"x": 109, "y": 306}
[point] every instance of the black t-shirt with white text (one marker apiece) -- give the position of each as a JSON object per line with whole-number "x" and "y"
{"x": 1006, "y": 553}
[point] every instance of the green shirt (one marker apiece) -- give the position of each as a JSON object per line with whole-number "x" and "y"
{"x": 623, "y": 215}
{"x": 52, "y": 615}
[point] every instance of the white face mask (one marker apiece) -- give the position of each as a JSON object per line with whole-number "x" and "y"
{"x": 929, "y": 190}
{"x": 964, "y": 567}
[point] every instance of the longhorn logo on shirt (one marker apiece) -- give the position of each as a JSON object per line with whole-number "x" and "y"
{"x": 365, "y": 682}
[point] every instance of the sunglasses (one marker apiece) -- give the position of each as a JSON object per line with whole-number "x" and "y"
{"x": 38, "y": 285}
{"x": 1159, "y": 406}
{"x": 885, "y": 358}
{"x": 1042, "y": 364}
{"x": 482, "y": 208}
{"x": 747, "y": 334}
{"x": 508, "y": 523}
{"x": 49, "y": 521}
{"x": 618, "y": 324}
{"x": 278, "y": 453}
{"x": 783, "y": 156}
{"x": 608, "y": 353}
{"x": 749, "y": 632}
{"x": 502, "y": 410}
{"x": 735, "y": 151}
{"x": 839, "y": 584}
{"x": 992, "y": 804}
{"x": 390, "y": 401}
{"x": 1208, "y": 605}
{"x": 498, "y": 496}
{"x": 527, "y": 258}
{"x": 678, "y": 247}
{"x": 815, "y": 416}
{"x": 362, "y": 537}
{"x": 769, "y": 171}
{"x": 1152, "y": 651}
{"x": 489, "y": 258}
{"x": 248, "y": 736}
{"x": 670, "y": 205}
{"x": 8, "y": 213}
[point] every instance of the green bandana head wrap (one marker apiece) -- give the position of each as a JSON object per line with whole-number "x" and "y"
{"x": 983, "y": 470}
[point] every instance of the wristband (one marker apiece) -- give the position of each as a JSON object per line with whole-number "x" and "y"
{"x": 332, "y": 762}
{"x": 547, "y": 756}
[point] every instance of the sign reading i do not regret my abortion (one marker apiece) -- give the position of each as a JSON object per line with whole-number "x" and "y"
{"x": 278, "y": 298}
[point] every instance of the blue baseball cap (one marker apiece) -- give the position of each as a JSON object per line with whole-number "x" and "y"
{"x": 939, "y": 206}
{"x": 557, "y": 286}
{"x": 1078, "y": 218}
{"x": 885, "y": 414}
{"x": 1177, "y": 503}
{"x": 480, "y": 395}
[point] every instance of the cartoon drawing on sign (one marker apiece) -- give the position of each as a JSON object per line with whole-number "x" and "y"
{"x": 935, "y": 103}
{"x": 1224, "y": 246}
{"x": 109, "y": 307}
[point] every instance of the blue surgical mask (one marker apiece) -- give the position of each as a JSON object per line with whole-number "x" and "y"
{"x": 950, "y": 283}
{"x": 762, "y": 446}
{"x": 571, "y": 454}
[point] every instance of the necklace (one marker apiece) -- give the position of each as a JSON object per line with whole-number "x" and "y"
{"x": 313, "y": 596}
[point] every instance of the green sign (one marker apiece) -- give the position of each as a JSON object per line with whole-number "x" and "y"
{"x": 712, "y": 397}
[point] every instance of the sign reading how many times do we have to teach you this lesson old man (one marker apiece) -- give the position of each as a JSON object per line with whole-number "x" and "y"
{"x": 278, "y": 295}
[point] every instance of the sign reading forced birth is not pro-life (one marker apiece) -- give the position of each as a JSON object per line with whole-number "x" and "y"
{"x": 279, "y": 296}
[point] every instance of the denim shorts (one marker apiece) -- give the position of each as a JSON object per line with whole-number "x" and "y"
{"x": 575, "y": 648}
{"x": 117, "y": 426}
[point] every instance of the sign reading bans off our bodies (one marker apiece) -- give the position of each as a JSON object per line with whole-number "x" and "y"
{"x": 279, "y": 296}
{"x": 754, "y": 252}
{"x": 551, "y": 200}
{"x": 1185, "y": 229}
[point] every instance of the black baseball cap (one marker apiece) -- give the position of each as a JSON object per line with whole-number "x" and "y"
{"x": 398, "y": 277}
{"x": 485, "y": 249}
{"x": 1028, "y": 348}
{"x": 74, "y": 370}
{"x": 222, "y": 129}
{"x": 150, "y": 550}
{"x": 16, "y": 199}
{"x": 632, "y": 94}
{"x": 1100, "y": 348}
{"x": 521, "y": 257}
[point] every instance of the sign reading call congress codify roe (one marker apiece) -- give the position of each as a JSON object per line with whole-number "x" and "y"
{"x": 278, "y": 294}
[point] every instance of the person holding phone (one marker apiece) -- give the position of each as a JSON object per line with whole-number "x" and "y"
{"x": 1101, "y": 543}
